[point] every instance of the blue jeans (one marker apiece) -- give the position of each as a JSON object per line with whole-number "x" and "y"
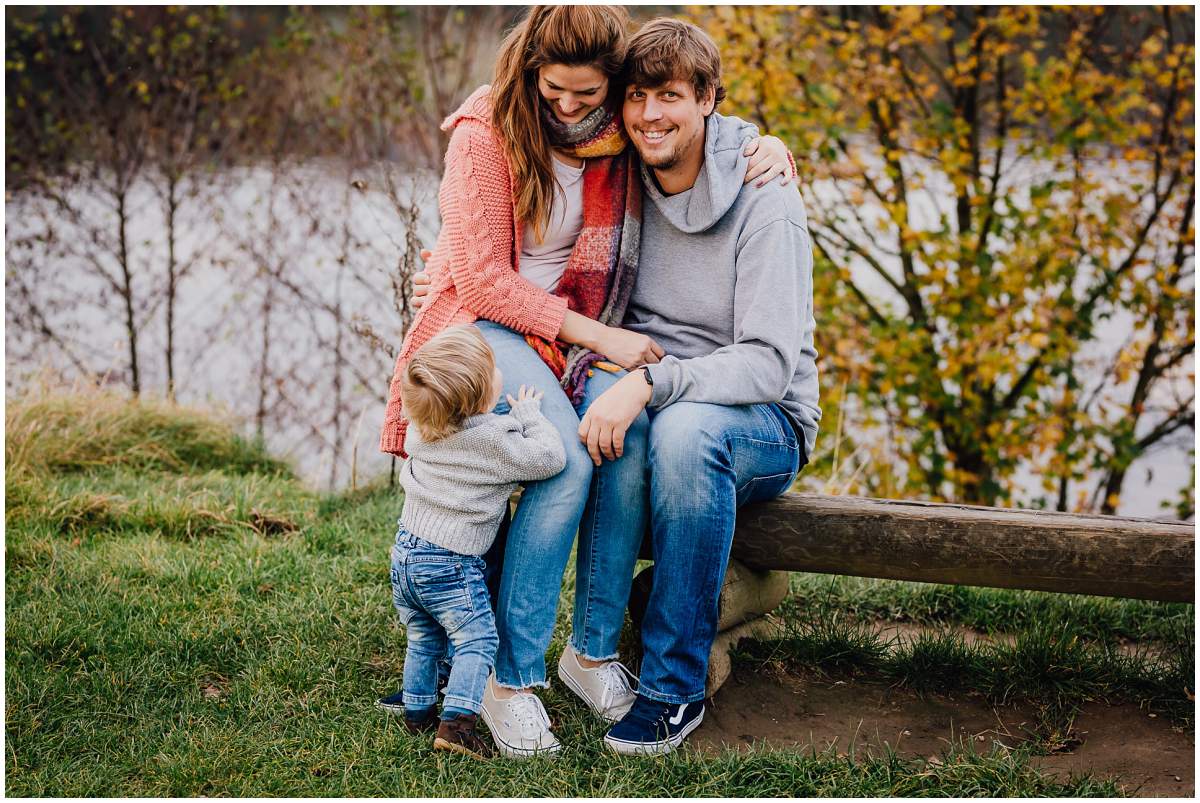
{"x": 543, "y": 528}
{"x": 704, "y": 461}
{"x": 443, "y": 602}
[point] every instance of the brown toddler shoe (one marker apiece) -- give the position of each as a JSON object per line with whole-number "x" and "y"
{"x": 421, "y": 725}
{"x": 458, "y": 735}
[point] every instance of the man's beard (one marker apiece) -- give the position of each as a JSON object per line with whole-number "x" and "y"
{"x": 670, "y": 160}
{"x": 667, "y": 161}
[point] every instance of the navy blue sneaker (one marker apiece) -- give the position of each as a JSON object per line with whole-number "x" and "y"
{"x": 393, "y": 704}
{"x": 652, "y": 728}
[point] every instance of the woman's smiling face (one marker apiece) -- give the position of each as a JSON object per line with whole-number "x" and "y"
{"x": 572, "y": 92}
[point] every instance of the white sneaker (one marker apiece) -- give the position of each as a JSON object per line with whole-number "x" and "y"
{"x": 519, "y": 725}
{"x": 607, "y": 689}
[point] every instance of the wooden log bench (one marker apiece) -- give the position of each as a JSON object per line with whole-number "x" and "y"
{"x": 936, "y": 543}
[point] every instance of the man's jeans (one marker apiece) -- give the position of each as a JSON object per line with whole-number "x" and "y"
{"x": 443, "y": 601}
{"x": 705, "y": 461}
{"x": 549, "y": 514}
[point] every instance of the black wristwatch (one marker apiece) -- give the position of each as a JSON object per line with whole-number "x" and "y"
{"x": 646, "y": 374}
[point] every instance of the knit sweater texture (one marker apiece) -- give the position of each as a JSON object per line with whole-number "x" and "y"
{"x": 455, "y": 488}
{"x": 473, "y": 268}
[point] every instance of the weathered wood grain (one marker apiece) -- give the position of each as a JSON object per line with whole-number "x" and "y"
{"x": 966, "y": 545}
{"x": 746, "y": 594}
{"x": 720, "y": 661}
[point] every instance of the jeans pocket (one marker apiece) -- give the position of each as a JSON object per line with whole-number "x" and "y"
{"x": 442, "y": 590}
{"x": 397, "y": 589}
{"x": 767, "y": 487}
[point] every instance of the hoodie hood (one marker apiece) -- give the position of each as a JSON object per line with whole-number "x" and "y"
{"x": 720, "y": 180}
{"x": 478, "y": 106}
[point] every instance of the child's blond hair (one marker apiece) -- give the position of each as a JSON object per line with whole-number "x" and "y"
{"x": 447, "y": 380}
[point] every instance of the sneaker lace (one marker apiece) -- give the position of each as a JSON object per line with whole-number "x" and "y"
{"x": 652, "y": 713}
{"x": 617, "y": 681}
{"x": 531, "y": 717}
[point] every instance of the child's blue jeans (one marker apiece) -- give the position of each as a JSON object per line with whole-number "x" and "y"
{"x": 442, "y": 599}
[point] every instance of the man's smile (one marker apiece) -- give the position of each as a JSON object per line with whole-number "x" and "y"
{"x": 654, "y": 136}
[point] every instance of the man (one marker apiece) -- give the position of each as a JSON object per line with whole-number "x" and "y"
{"x": 726, "y": 290}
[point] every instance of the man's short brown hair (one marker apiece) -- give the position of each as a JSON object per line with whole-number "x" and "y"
{"x": 668, "y": 49}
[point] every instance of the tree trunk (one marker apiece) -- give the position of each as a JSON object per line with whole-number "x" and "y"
{"x": 1064, "y": 483}
{"x": 338, "y": 401}
{"x": 978, "y": 488}
{"x": 1112, "y": 491}
{"x": 172, "y": 209}
{"x": 260, "y": 413}
{"x": 127, "y": 290}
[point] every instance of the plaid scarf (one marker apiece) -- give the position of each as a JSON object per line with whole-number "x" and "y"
{"x": 599, "y": 276}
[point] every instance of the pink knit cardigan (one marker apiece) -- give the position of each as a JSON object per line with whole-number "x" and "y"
{"x": 473, "y": 269}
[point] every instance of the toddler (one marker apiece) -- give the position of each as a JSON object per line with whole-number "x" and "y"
{"x": 464, "y": 462}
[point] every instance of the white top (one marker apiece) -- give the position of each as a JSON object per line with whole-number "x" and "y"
{"x": 543, "y": 263}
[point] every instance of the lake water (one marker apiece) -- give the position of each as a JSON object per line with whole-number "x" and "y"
{"x": 326, "y": 250}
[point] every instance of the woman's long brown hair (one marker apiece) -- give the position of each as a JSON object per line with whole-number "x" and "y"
{"x": 572, "y": 35}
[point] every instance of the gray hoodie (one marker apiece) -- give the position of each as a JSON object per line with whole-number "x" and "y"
{"x": 725, "y": 287}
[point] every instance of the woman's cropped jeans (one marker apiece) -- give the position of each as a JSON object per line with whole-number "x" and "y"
{"x": 606, "y": 506}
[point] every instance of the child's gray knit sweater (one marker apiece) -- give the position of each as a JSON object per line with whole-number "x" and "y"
{"x": 455, "y": 488}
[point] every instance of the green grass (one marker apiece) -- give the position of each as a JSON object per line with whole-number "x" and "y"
{"x": 184, "y": 619}
{"x": 96, "y": 430}
{"x": 991, "y": 610}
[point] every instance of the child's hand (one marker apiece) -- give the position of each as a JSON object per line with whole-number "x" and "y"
{"x": 525, "y": 394}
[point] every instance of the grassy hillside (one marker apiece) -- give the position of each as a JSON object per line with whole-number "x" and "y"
{"x": 184, "y": 618}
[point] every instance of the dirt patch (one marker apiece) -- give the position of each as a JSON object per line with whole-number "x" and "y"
{"x": 1150, "y": 756}
{"x": 1147, "y": 755}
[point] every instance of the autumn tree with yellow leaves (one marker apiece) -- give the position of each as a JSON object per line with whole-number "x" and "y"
{"x": 992, "y": 192}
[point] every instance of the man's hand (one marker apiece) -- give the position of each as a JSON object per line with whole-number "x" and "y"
{"x": 420, "y": 283}
{"x": 603, "y": 427}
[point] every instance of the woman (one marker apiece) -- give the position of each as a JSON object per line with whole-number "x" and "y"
{"x": 541, "y": 210}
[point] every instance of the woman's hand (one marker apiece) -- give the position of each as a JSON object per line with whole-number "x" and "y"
{"x": 627, "y": 349}
{"x": 420, "y": 283}
{"x": 768, "y": 160}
